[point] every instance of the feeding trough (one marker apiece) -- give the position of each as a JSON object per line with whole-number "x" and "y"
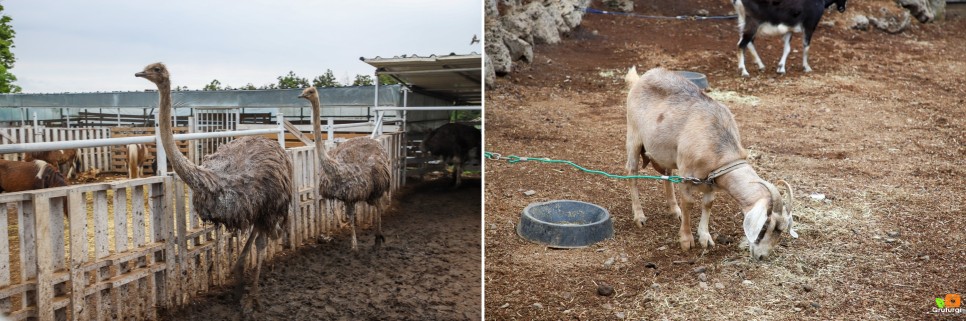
{"x": 565, "y": 224}
{"x": 695, "y": 77}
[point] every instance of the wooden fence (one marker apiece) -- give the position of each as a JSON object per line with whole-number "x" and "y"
{"x": 121, "y": 250}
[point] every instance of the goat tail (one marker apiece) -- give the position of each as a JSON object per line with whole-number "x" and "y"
{"x": 631, "y": 76}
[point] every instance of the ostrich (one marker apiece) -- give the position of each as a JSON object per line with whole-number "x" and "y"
{"x": 454, "y": 143}
{"x": 246, "y": 184}
{"x": 355, "y": 171}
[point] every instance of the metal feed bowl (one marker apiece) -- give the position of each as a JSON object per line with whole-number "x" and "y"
{"x": 565, "y": 224}
{"x": 695, "y": 77}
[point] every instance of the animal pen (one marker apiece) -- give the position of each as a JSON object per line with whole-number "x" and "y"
{"x": 123, "y": 249}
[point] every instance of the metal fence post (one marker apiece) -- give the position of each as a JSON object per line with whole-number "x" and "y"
{"x": 160, "y": 156}
{"x": 281, "y": 130}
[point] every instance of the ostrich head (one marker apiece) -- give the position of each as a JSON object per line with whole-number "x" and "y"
{"x": 156, "y": 73}
{"x": 310, "y": 93}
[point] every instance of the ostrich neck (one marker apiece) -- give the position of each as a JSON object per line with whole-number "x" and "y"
{"x": 190, "y": 173}
{"x": 326, "y": 162}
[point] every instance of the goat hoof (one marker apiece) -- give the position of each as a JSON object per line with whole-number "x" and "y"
{"x": 808, "y": 69}
{"x": 639, "y": 220}
{"x": 687, "y": 243}
{"x": 745, "y": 73}
{"x": 706, "y": 241}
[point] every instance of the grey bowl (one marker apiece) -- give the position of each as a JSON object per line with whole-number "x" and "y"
{"x": 696, "y": 77}
{"x": 565, "y": 224}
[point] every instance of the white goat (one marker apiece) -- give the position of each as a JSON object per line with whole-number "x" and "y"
{"x": 673, "y": 125}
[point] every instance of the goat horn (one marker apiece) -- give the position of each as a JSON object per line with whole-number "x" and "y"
{"x": 776, "y": 198}
{"x": 789, "y": 197}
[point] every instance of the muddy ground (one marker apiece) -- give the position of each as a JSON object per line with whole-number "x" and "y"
{"x": 877, "y": 128}
{"x": 429, "y": 268}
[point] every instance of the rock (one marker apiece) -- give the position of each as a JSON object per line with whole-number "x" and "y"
{"x": 530, "y": 192}
{"x": 490, "y": 8}
{"x": 700, "y": 269}
{"x": 505, "y": 305}
{"x": 542, "y": 24}
{"x": 620, "y": 5}
{"x": 893, "y": 234}
{"x": 925, "y": 10}
{"x": 492, "y": 226}
{"x": 807, "y": 288}
{"x": 723, "y": 240}
{"x": 718, "y": 285}
{"x": 519, "y": 49}
{"x": 662, "y": 248}
{"x": 703, "y": 277}
{"x": 703, "y": 285}
{"x": 609, "y": 262}
{"x": 747, "y": 283}
{"x": 891, "y": 22}
{"x": 567, "y": 296}
{"x": 537, "y": 306}
{"x": 605, "y": 289}
{"x": 620, "y": 315}
{"x": 924, "y": 258}
{"x": 890, "y": 240}
{"x": 656, "y": 286}
{"x": 815, "y": 305}
{"x": 650, "y": 265}
{"x": 702, "y": 13}
{"x": 624, "y": 258}
{"x": 860, "y": 22}
{"x": 817, "y": 196}
{"x": 490, "y": 73}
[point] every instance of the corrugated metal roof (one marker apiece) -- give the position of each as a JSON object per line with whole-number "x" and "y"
{"x": 453, "y": 77}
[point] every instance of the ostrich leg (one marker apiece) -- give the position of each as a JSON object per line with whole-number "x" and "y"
{"x": 350, "y": 213}
{"x": 239, "y": 269}
{"x": 250, "y": 304}
{"x": 379, "y": 238}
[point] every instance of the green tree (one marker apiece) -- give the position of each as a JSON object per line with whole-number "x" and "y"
{"x": 247, "y": 86}
{"x": 214, "y": 85}
{"x": 387, "y": 80}
{"x": 362, "y": 80}
{"x": 326, "y": 80}
{"x": 6, "y": 56}
{"x": 292, "y": 81}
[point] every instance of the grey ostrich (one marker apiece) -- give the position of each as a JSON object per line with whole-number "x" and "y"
{"x": 456, "y": 144}
{"x": 355, "y": 171}
{"x": 245, "y": 184}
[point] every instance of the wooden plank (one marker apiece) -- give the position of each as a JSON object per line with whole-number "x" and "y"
{"x": 4, "y": 253}
{"x": 101, "y": 243}
{"x": 28, "y": 246}
{"x": 78, "y": 253}
{"x": 181, "y": 227}
{"x": 296, "y": 132}
{"x": 45, "y": 271}
{"x": 120, "y": 220}
{"x": 137, "y": 216}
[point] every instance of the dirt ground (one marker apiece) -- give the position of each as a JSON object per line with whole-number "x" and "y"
{"x": 878, "y": 128}
{"x": 428, "y": 269}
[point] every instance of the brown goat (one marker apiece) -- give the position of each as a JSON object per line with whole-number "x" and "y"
{"x": 17, "y": 176}
{"x": 65, "y": 160}
{"x": 137, "y": 154}
{"x": 675, "y": 126}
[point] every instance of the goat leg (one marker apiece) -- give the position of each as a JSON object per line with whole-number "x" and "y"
{"x": 634, "y": 151}
{"x": 787, "y": 47}
{"x": 704, "y": 236}
{"x": 686, "y": 239}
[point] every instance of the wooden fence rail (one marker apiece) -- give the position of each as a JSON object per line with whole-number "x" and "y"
{"x": 123, "y": 249}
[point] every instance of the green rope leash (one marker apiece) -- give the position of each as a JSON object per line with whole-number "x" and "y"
{"x": 513, "y": 159}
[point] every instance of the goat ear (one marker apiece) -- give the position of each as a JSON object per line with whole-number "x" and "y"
{"x": 755, "y": 219}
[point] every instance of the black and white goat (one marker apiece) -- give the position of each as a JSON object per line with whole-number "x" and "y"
{"x": 778, "y": 17}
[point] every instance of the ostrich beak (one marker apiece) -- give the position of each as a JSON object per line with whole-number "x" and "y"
{"x": 140, "y": 74}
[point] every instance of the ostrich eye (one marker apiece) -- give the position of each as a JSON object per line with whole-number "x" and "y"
{"x": 156, "y": 69}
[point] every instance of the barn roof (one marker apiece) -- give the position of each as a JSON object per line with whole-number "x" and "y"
{"x": 452, "y": 77}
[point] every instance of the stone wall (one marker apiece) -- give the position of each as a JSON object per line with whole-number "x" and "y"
{"x": 513, "y": 27}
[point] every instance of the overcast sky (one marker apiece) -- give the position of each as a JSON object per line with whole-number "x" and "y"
{"x": 98, "y": 45}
